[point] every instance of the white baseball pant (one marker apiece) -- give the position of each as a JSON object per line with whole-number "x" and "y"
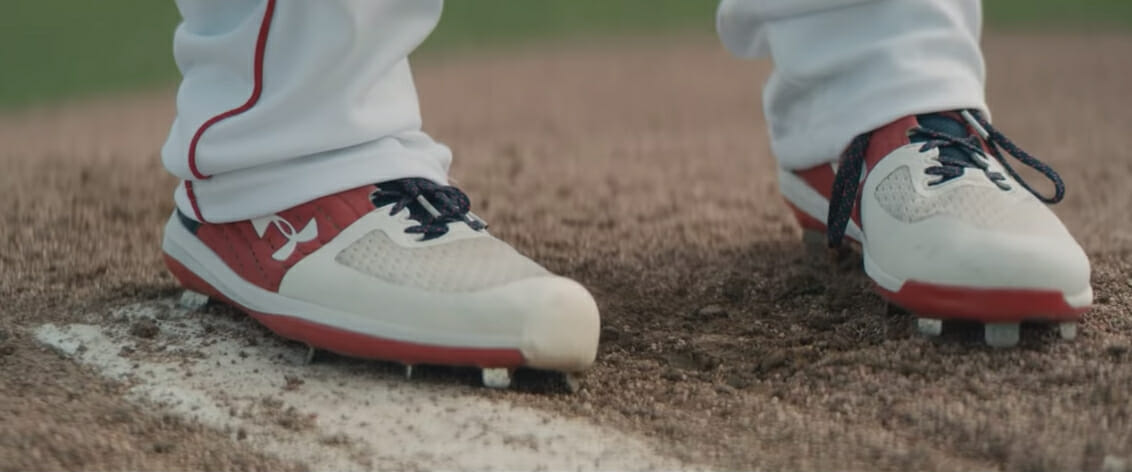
{"x": 284, "y": 101}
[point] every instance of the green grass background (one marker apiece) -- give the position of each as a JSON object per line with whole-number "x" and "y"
{"x": 53, "y": 50}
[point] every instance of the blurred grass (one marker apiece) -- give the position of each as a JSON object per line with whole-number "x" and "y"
{"x": 1059, "y": 15}
{"x": 58, "y": 49}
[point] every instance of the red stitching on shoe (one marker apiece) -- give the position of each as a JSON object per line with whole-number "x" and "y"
{"x": 327, "y": 216}
{"x": 242, "y": 253}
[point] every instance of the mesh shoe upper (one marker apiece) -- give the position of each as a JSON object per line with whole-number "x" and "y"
{"x": 457, "y": 266}
{"x": 938, "y": 206}
{"x": 955, "y": 149}
{"x": 984, "y": 207}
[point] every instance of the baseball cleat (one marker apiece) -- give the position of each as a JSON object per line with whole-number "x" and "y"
{"x": 399, "y": 271}
{"x": 947, "y": 229}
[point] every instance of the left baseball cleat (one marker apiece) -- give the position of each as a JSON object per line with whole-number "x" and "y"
{"x": 400, "y": 271}
{"x": 948, "y": 230}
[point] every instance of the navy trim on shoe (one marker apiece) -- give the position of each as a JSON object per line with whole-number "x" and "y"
{"x": 189, "y": 223}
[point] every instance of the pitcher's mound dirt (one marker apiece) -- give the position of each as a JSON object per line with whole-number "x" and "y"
{"x": 641, "y": 170}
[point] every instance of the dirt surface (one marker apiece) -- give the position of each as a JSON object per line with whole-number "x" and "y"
{"x": 643, "y": 171}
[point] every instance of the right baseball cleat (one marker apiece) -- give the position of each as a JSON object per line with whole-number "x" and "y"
{"x": 400, "y": 271}
{"x": 947, "y": 232}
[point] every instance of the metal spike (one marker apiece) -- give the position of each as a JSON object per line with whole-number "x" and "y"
{"x": 929, "y": 326}
{"x": 572, "y": 382}
{"x": 499, "y": 377}
{"x": 1001, "y": 334}
{"x": 309, "y": 357}
{"x": 1067, "y": 330}
{"x": 191, "y": 300}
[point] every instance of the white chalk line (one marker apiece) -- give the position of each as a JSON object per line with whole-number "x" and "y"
{"x": 340, "y": 417}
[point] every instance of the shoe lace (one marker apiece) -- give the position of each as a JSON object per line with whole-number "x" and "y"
{"x": 432, "y": 205}
{"x": 846, "y": 184}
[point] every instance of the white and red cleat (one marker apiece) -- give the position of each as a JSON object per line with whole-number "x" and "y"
{"x": 947, "y": 229}
{"x": 400, "y": 271}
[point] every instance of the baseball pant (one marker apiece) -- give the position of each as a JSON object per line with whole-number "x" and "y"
{"x": 285, "y": 101}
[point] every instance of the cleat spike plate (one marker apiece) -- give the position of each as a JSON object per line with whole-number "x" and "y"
{"x": 1067, "y": 330}
{"x": 572, "y": 382}
{"x": 1001, "y": 334}
{"x": 497, "y": 377}
{"x": 191, "y": 300}
{"x": 929, "y": 326}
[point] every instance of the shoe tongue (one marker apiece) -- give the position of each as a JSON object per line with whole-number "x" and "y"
{"x": 948, "y": 124}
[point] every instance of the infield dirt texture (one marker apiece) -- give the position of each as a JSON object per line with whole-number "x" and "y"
{"x": 641, "y": 169}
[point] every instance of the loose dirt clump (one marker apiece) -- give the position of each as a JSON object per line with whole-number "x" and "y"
{"x": 144, "y": 328}
{"x": 291, "y": 383}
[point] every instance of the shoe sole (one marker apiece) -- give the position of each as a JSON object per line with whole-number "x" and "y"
{"x": 349, "y": 343}
{"x": 941, "y": 302}
{"x": 986, "y": 305}
{"x": 295, "y": 323}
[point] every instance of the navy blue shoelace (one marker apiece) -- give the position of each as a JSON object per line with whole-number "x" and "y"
{"x": 967, "y": 155}
{"x": 433, "y": 205}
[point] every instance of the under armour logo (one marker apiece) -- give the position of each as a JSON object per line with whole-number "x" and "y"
{"x": 308, "y": 233}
